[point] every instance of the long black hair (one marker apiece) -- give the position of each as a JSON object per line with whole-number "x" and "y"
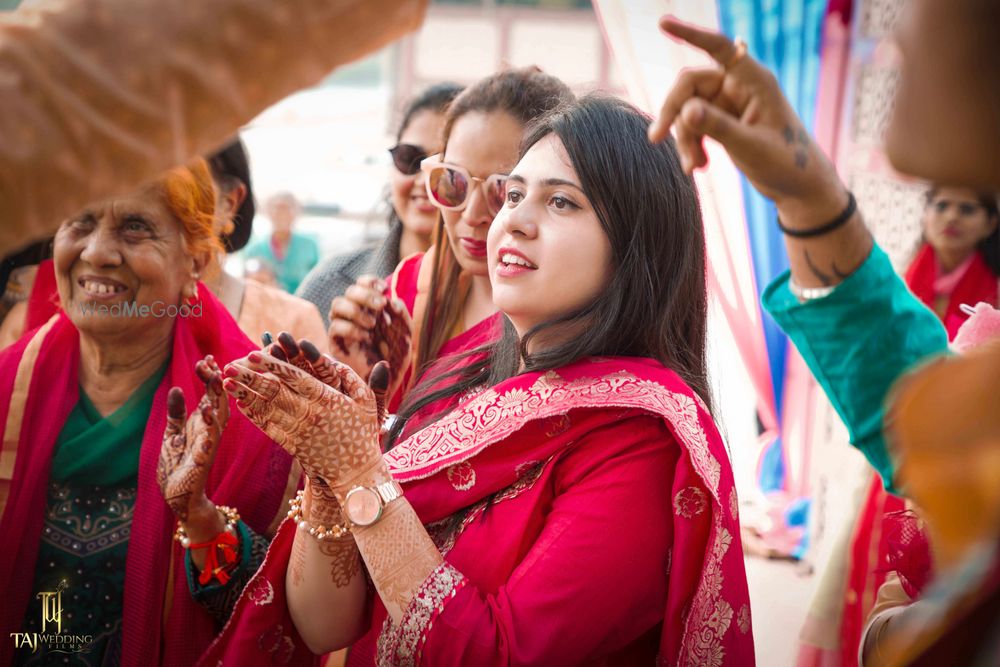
{"x": 656, "y": 303}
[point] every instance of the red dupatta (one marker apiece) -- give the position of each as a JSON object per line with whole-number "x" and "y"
{"x": 482, "y": 448}
{"x": 978, "y": 283}
{"x": 38, "y": 379}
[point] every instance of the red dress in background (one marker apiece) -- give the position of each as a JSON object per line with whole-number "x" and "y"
{"x": 872, "y": 545}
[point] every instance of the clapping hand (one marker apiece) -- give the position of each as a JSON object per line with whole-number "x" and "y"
{"x": 330, "y": 425}
{"x": 366, "y": 327}
{"x": 189, "y": 446}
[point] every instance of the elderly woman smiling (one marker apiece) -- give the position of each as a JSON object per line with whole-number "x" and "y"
{"x": 87, "y": 404}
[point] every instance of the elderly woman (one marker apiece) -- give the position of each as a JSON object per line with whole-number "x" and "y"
{"x": 84, "y": 412}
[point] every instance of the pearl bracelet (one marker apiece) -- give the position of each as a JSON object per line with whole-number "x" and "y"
{"x": 321, "y": 533}
{"x": 230, "y": 515}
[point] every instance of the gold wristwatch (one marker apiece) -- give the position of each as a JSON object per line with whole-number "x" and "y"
{"x": 364, "y": 505}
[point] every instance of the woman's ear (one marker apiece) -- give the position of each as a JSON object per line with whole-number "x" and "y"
{"x": 234, "y": 197}
{"x": 199, "y": 263}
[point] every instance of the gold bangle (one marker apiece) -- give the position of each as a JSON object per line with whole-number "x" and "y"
{"x": 321, "y": 533}
{"x": 229, "y": 515}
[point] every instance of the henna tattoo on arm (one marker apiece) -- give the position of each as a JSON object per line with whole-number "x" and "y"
{"x": 823, "y": 276}
{"x": 816, "y": 271}
{"x": 799, "y": 142}
{"x": 321, "y": 507}
{"x": 399, "y": 555}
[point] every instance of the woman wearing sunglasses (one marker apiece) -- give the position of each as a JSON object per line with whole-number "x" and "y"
{"x": 581, "y": 508}
{"x": 411, "y": 216}
{"x": 446, "y": 291}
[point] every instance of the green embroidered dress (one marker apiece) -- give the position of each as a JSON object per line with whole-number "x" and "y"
{"x": 88, "y": 517}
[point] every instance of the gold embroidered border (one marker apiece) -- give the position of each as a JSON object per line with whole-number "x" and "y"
{"x": 16, "y": 406}
{"x": 399, "y": 646}
{"x": 492, "y": 417}
{"x": 709, "y": 614}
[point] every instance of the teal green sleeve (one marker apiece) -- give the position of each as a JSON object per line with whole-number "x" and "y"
{"x": 857, "y": 342}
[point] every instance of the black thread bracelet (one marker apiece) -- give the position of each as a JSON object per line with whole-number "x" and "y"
{"x": 839, "y": 221}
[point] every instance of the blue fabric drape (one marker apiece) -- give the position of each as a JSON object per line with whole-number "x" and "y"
{"x": 785, "y": 37}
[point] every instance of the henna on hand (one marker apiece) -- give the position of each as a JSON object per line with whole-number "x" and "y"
{"x": 330, "y": 432}
{"x": 190, "y": 443}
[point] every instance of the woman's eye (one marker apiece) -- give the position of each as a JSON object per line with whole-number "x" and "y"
{"x": 562, "y": 203}
{"x": 136, "y": 226}
{"x": 85, "y": 221}
{"x": 513, "y": 196}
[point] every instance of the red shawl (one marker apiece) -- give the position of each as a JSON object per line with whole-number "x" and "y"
{"x": 491, "y": 450}
{"x": 38, "y": 382}
{"x": 979, "y": 283}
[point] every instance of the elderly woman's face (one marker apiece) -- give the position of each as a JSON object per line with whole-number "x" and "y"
{"x": 121, "y": 253}
{"x": 945, "y": 125}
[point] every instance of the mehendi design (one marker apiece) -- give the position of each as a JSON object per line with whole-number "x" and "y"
{"x": 399, "y": 554}
{"x": 189, "y": 444}
{"x": 331, "y": 432}
{"x": 389, "y": 339}
{"x": 345, "y": 561}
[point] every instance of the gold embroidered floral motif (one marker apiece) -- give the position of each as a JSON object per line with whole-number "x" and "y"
{"x": 743, "y": 619}
{"x": 689, "y": 502}
{"x": 734, "y": 505}
{"x": 445, "y": 532}
{"x": 260, "y": 591}
{"x": 557, "y": 425}
{"x": 462, "y": 476}
{"x": 278, "y": 644}
{"x": 709, "y": 613}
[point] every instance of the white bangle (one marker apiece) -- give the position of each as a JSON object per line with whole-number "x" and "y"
{"x": 809, "y": 293}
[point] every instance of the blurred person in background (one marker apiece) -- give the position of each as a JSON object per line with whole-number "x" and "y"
{"x": 291, "y": 254}
{"x": 958, "y": 261}
{"x": 857, "y": 325}
{"x": 17, "y": 278}
{"x": 412, "y": 217}
{"x": 255, "y": 301}
{"x": 260, "y": 271}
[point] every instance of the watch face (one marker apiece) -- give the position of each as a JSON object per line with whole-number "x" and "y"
{"x": 362, "y": 506}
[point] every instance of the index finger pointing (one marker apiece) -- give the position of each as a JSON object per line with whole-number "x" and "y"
{"x": 721, "y": 48}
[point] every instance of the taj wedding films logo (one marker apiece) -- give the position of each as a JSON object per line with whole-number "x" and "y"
{"x": 52, "y": 612}
{"x": 132, "y": 309}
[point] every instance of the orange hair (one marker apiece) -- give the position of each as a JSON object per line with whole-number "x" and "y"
{"x": 190, "y": 195}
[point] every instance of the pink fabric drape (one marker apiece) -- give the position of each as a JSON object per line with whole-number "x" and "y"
{"x": 649, "y": 63}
